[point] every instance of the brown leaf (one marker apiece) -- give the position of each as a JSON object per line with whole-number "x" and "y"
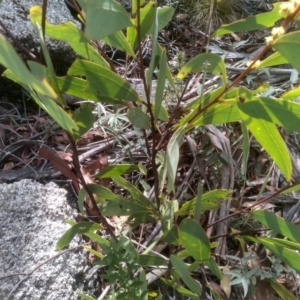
{"x": 65, "y": 156}
{"x": 8, "y": 166}
{"x": 98, "y": 165}
{"x": 60, "y": 165}
{"x": 218, "y": 290}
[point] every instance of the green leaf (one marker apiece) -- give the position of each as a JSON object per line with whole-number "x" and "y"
{"x": 56, "y": 112}
{"x": 147, "y": 17}
{"x": 165, "y": 15}
{"x": 81, "y": 228}
{"x": 288, "y": 45}
{"x": 84, "y": 118}
{"x": 291, "y": 94}
{"x": 208, "y": 62}
{"x": 103, "y": 82}
{"x": 10, "y": 59}
{"x": 209, "y": 201}
{"x": 182, "y": 270}
{"x": 278, "y": 224}
{"x": 151, "y": 260}
{"x": 194, "y": 239}
{"x": 260, "y": 21}
{"x": 101, "y": 16}
{"x": 171, "y": 236}
{"x": 245, "y": 147}
{"x": 97, "y": 238}
{"x": 281, "y": 290}
{"x": 213, "y": 266}
{"x": 101, "y": 192}
{"x": 222, "y": 112}
{"x": 138, "y": 118}
{"x": 76, "y": 87}
{"x": 128, "y": 206}
{"x": 268, "y": 136}
{"x": 160, "y": 88}
{"x": 68, "y": 32}
{"x": 287, "y": 244}
{"x": 134, "y": 192}
{"x": 85, "y": 296}
{"x": 119, "y": 41}
{"x": 197, "y": 214}
{"x": 281, "y": 112}
{"x": 290, "y": 257}
{"x": 116, "y": 170}
{"x": 180, "y": 289}
{"x": 172, "y": 157}
{"x": 274, "y": 59}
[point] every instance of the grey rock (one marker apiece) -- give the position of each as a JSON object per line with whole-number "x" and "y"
{"x": 32, "y": 219}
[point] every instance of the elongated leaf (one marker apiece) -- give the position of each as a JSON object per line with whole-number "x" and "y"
{"x": 126, "y": 207}
{"x": 101, "y": 192}
{"x": 134, "y": 192}
{"x": 268, "y": 136}
{"x": 151, "y": 260}
{"x": 260, "y": 21}
{"x": 246, "y": 147}
{"x": 101, "y": 16}
{"x": 213, "y": 266}
{"x": 116, "y": 170}
{"x": 119, "y": 41}
{"x": 147, "y": 17}
{"x": 82, "y": 227}
{"x": 97, "y": 238}
{"x": 138, "y": 118}
{"x": 290, "y": 257}
{"x": 194, "y": 239}
{"x": 281, "y": 290}
{"x": 209, "y": 201}
{"x": 197, "y": 214}
{"x": 85, "y": 296}
{"x": 281, "y": 112}
{"x": 165, "y": 15}
{"x": 84, "y": 118}
{"x": 56, "y": 112}
{"x": 10, "y": 59}
{"x": 274, "y": 59}
{"x": 293, "y": 188}
{"x": 180, "y": 289}
{"x": 288, "y": 45}
{"x": 182, "y": 270}
{"x": 173, "y": 157}
{"x": 160, "y": 87}
{"x": 171, "y": 236}
{"x": 292, "y": 94}
{"x": 208, "y": 62}
{"x": 278, "y": 224}
{"x": 68, "y": 32}
{"x": 76, "y": 87}
{"x": 206, "y": 98}
{"x": 222, "y": 112}
{"x": 103, "y": 82}
{"x": 287, "y": 244}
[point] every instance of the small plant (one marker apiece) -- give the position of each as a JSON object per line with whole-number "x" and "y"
{"x": 178, "y": 221}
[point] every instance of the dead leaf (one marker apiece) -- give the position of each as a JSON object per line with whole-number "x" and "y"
{"x": 8, "y": 166}
{"x": 60, "y": 165}
{"x": 65, "y": 156}
{"x": 218, "y": 290}
{"x": 225, "y": 282}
